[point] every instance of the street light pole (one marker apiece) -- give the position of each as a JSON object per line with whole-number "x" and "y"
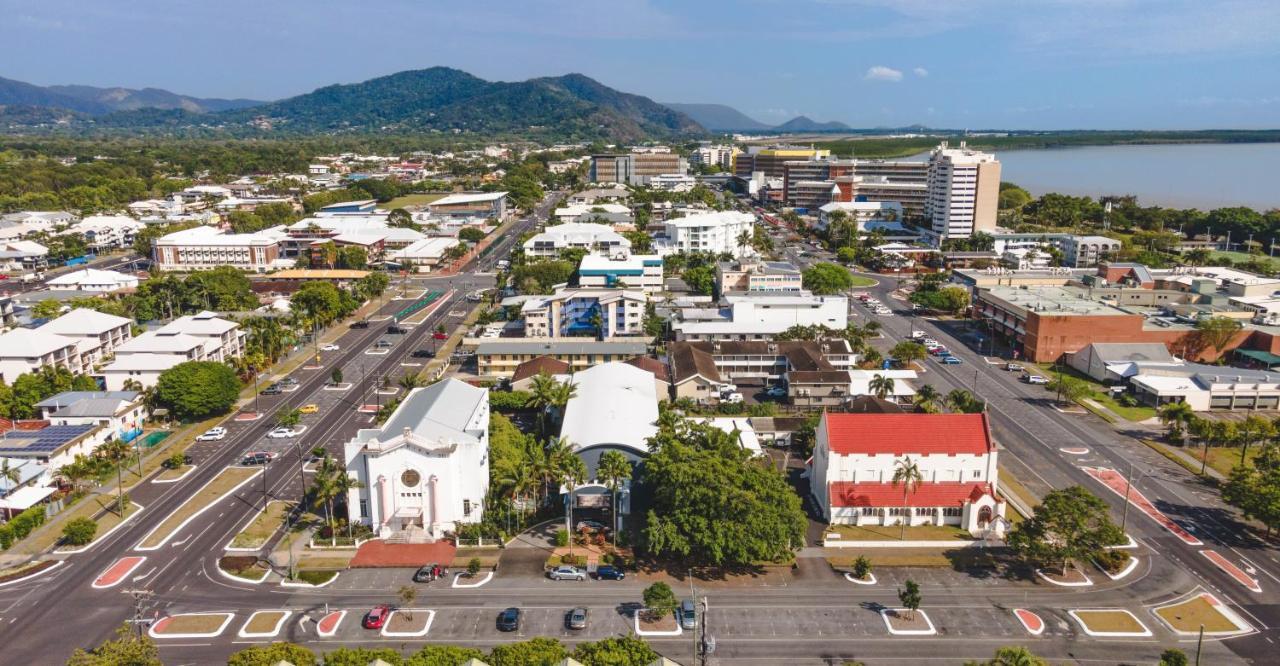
{"x": 1128, "y": 487}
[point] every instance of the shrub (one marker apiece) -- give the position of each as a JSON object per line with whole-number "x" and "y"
{"x": 21, "y": 525}
{"x": 80, "y": 531}
{"x": 573, "y": 560}
{"x": 861, "y": 568}
{"x": 315, "y": 577}
{"x": 562, "y": 538}
{"x": 473, "y": 567}
{"x": 1113, "y": 561}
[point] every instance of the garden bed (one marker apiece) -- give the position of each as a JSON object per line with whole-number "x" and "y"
{"x": 171, "y": 474}
{"x": 907, "y": 623}
{"x": 29, "y": 569}
{"x": 192, "y": 625}
{"x": 313, "y": 577}
{"x": 264, "y": 623}
{"x": 408, "y": 622}
{"x": 893, "y": 533}
{"x": 1187, "y": 617}
{"x": 260, "y": 530}
{"x": 575, "y": 560}
{"x": 1109, "y": 622}
{"x": 248, "y": 567}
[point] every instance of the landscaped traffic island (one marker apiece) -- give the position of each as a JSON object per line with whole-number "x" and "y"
{"x": 226, "y": 482}
{"x": 260, "y": 530}
{"x": 191, "y": 625}
{"x": 409, "y": 622}
{"x": 1203, "y": 610}
{"x": 1109, "y": 622}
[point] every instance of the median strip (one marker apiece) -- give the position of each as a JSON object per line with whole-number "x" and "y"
{"x": 227, "y": 482}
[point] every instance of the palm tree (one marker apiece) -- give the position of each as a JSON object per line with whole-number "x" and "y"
{"x": 76, "y": 472}
{"x": 550, "y": 464}
{"x": 9, "y": 474}
{"x": 1175, "y": 416}
{"x": 927, "y": 398}
{"x": 881, "y": 386}
{"x": 573, "y": 473}
{"x": 562, "y": 394}
{"x": 959, "y": 400}
{"x": 117, "y": 452}
{"x": 614, "y": 469}
{"x": 343, "y": 484}
{"x": 542, "y": 394}
{"x": 411, "y": 381}
{"x": 516, "y": 482}
{"x": 906, "y": 472}
{"x": 324, "y": 487}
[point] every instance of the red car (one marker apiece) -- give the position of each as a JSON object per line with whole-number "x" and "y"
{"x": 440, "y": 335}
{"x": 377, "y": 616}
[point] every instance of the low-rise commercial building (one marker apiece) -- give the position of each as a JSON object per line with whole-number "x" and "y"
{"x": 482, "y": 205}
{"x": 501, "y": 357}
{"x": 596, "y": 238}
{"x": 205, "y": 248}
{"x": 754, "y": 275}
{"x": 761, "y": 316}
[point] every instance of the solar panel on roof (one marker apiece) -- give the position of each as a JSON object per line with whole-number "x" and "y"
{"x": 45, "y": 440}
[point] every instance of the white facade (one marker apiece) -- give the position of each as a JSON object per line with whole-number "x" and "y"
{"x": 97, "y": 334}
{"x": 428, "y": 467}
{"x": 23, "y": 350}
{"x": 672, "y": 182}
{"x": 707, "y": 232}
{"x": 605, "y": 313}
{"x": 1085, "y": 251}
{"x": 855, "y": 457}
{"x": 762, "y": 316}
{"x": 92, "y": 279}
{"x": 591, "y": 237}
{"x": 200, "y": 337}
{"x": 861, "y": 212}
{"x": 203, "y": 248}
{"x": 636, "y": 271}
{"x": 963, "y": 186}
{"x": 610, "y": 213}
{"x": 423, "y": 255}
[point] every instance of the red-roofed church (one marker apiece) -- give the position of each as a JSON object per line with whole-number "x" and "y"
{"x": 855, "y": 456}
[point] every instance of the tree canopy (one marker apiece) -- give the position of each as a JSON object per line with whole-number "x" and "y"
{"x": 197, "y": 389}
{"x": 827, "y": 278}
{"x": 1071, "y": 523}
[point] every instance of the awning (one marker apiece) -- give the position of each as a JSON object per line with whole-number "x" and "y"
{"x": 24, "y": 498}
{"x": 1266, "y": 358}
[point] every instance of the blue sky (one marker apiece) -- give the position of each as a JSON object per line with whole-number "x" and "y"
{"x": 1036, "y": 64}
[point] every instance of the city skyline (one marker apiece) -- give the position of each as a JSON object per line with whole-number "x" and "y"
{"x": 1103, "y": 64}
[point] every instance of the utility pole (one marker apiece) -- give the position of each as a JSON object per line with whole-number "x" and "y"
{"x": 1199, "y": 644}
{"x": 139, "y": 596}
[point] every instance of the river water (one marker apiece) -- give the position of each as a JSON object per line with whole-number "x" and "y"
{"x": 1202, "y": 176}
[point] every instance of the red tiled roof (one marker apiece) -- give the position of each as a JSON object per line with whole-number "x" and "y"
{"x": 650, "y": 364}
{"x": 900, "y": 434}
{"x": 533, "y": 366}
{"x": 947, "y": 493}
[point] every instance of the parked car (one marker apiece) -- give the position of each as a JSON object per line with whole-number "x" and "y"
{"x": 376, "y": 617}
{"x": 590, "y": 525}
{"x": 283, "y": 433}
{"x": 567, "y": 573}
{"x": 309, "y": 408}
{"x": 509, "y": 620}
{"x": 776, "y": 392}
{"x": 212, "y": 434}
{"x": 1012, "y": 367}
{"x": 609, "y": 572}
{"x": 274, "y": 389}
{"x": 329, "y": 347}
{"x": 439, "y": 335}
{"x": 919, "y": 335}
{"x": 287, "y": 381}
{"x": 423, "y": 353}
{"x": 428, "y": 573}
{"x": 382, "y": 343}
{"x": 257, "y": 458}
{"x": 1035, "y": 379}
{"x": 397, "y": 330}
{"x": 731, "y": 398}
{"x": 687, "y": 615}
{"x": 576, "y": 619}
{"x": 939, "y": 351}
{"x": 950, "y": 360}
{"x": 359, "y": 324}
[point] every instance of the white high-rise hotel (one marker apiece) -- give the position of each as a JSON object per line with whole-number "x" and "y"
{"x": 964, "y": 188}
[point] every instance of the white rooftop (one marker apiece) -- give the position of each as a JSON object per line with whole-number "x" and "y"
{"x": 26, "y": 343}
{"x": 453, "y": 199}
{"x": 713, "y": 219}
{"x": 83, "y": 321}
{"x": 616, "y": 405}
{"x": 93, "y": 276}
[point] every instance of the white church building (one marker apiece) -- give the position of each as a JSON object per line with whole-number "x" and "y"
{"x": 427, "y": 469}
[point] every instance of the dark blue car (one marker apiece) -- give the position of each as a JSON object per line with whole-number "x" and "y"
{"x": 609, "y": 573}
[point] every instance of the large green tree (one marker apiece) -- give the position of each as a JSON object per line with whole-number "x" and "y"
{"x": 1071, "y": 523}
{"x": 827, "y": 278}
{"x": 270, "y": 655}
{"x": 616, "y": 651}
{"x": 540, "y": 651}
{"x": 197, "y": 389}
{"x": 1255, "y": 489}
{"x": 126, "y": 649}
{"x": 713, "y": 504}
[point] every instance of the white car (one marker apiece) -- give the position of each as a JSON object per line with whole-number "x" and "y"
{"x": 1035, "y": 379}
{"x": 284, "y": 433}
{"x": 329, "y": 347}
{"x": 212, "y": 434}
{"x": 731, "y": 398}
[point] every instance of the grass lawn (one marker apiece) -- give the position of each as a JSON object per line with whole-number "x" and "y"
{"x": 1190, "y": 614}
{"x": 1110, "y": 621}
{"x": 411, "y": 200}
{"x": 171, "y": 473}
{"x": 110, "y": 519}
{"x": 256, "y": 534}
{"x": 263, "y": 622}
{"x": 216, "y": 490}
{"x": 1011, "y": 485}
{"x": 14, "y": 573}
{"x": 1237, "y": 257}
{"x": 894, "y": 557}
{"x": 312, "y": 577}
{"x": 327, "y": 561}
{"x": 194, "y": 624}
{"x": 1225, "y": 458}
{"x": 863, "y": 281}
{"x": 894, "y": 533}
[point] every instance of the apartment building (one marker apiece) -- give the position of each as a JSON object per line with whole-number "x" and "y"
{"x": 481, "y": 205}
{"x": 97, "y": 334}
{"x": 24, "y": 350}
{"x": 721, "y": 156}
{"x": 636, "y": 167}
{"x": 761, "y": 316}
{"x": 964, "y": 185}
{"x": 595, "y": 238}
{"x": 200, "y": 337}
{"x": 756, "y": 275}
{"x": 1082, "y": 251}
{"x": 707, "y": 232}
{"x": 772, "y": 162}
{"x": 603, "y": 313}
{"x": 635, "y": 271}
{"x": 205, "y": 248}
{"x": 501, "y": 357}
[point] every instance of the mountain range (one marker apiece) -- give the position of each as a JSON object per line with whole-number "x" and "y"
{"x": 437, "y": 99}
{"x": 95, "y": 101}
{"x": 723, "y": 118}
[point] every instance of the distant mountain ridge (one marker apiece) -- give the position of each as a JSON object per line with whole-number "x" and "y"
{"x": 96, "y": 101}
{"x": 724, "y": 118}
{"x": 436, "y": 99}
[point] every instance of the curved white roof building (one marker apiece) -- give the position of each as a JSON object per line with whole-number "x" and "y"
{"x": 616, "y": 407}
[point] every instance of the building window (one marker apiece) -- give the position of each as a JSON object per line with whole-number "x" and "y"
{"x": 870, "y": 511}
{"x": 899, "y": 511}
{"x": 466, "y": 507}
{"x": 977, "y": 473}
{"x": 951, "y": 512}
{"x": 364, "y": 508}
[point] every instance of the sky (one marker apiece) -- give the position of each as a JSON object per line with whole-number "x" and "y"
{"x": 961, "y": 64}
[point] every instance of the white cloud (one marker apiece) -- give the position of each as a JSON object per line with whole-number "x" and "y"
{"x": 882, "y": 73}
{"x": 921, "y": 72}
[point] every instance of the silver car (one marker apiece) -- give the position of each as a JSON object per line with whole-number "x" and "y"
{"x": 567, "y": 573}
{"x": 576, "y": 619}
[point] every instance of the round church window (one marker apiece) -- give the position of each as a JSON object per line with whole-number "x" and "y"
{"x": 410, "y": 478}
